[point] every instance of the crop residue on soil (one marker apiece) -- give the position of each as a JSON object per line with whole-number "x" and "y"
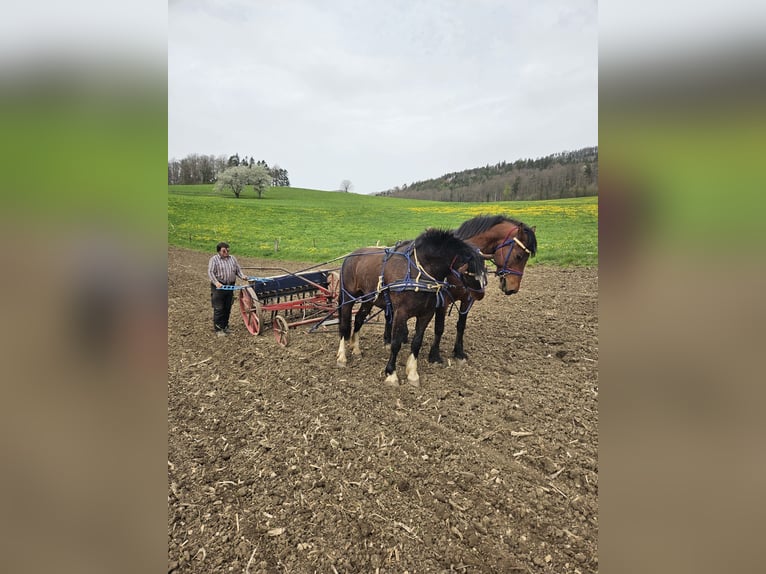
{"x": 279, "y": 461}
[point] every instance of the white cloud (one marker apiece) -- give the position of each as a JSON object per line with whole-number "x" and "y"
{"x": 381, "y": 93}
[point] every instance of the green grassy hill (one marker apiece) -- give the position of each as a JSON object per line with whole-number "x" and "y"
{"x": 317, "y": 226}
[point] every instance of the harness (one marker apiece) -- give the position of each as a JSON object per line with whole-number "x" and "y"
{"x": 505, "y": 270}
{"x": 422, "y": 281}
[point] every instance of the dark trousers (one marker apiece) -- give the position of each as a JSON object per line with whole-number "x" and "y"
{"x": 221, "y": 300}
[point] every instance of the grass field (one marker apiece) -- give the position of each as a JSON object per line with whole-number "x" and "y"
{"x": 317, "y": 226}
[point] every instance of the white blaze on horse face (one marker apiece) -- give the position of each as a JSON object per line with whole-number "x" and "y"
{"x": 412, "y": 371}
{"x": 342, "y": 353}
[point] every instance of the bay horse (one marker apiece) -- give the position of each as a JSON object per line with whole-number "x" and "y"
{"x": 509, "y": 243}
{"x": 408, "y": 280}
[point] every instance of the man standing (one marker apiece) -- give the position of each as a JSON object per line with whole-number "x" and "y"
{"x": 222, "y": 269}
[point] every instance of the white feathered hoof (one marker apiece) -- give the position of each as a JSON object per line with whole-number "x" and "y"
{"x": 392, "y": 380}
{"x": 341, "y": 356}
{"x": 412, "y": 371}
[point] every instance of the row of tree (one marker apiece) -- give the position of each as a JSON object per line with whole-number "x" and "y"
{"x": 197, "y": 168}
{"x": 561, "y": 175}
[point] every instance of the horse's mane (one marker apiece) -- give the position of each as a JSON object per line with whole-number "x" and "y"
{"x": 445, "y": 239}
{"x": 433, "y": 237}
{"x": 482, "y": 223}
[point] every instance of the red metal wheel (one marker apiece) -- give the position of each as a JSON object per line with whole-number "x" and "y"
{"x": 280, "y": 330}
{"x": 251, "y": 310}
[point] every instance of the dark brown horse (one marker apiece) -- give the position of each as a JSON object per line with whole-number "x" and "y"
{"x": 509, "y": 243}
{"x": 408, "y": 280}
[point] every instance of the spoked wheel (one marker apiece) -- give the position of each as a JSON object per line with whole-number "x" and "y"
{"x": 251, "y": 310}
{"x": 280, "y": 330}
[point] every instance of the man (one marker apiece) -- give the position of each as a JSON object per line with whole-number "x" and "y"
{"x": 222, "y": 269}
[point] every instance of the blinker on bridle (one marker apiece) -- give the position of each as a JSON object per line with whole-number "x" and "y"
{"x": 467, "y": 273}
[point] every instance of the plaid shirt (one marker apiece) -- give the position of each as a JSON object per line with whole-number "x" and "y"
{"x": 224, "y": 269}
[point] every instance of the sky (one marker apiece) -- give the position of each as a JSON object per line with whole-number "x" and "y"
{"x": 381, "y": 93}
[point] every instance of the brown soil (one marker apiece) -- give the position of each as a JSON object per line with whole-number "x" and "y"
{"x": 279, "y": 461}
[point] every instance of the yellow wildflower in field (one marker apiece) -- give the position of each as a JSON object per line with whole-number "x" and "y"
{"x": 519, "y": 211}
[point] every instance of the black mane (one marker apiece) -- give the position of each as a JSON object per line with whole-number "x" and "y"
{"x": 482, "y": 223}
{"x": 437, "y": 241}
{"x": 441, "y": 240}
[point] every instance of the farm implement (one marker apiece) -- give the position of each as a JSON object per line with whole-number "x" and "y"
{"x": 289, "y": 300}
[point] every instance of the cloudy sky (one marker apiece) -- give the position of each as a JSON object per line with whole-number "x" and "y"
{"x": 381, "y": 93}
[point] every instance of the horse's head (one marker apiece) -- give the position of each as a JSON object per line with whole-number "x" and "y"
{"x": 507, "y": 242}
{"x": 446, "y": 255}
{"x": 511, "y": 256}
{"x": 473, "y": 272}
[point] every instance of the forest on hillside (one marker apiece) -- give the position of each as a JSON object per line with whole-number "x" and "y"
{"x": 557, "y": 176}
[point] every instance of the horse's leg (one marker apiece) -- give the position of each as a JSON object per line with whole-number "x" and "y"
{"x": 387, "y": 332}
{"x": 417, "y": 341}
{"x": 388, "y": 314}
{"x": 344, "y": 329}
{"x": 361, "y": 315}
{"x": 398, "y": 330}
{"x": 458, "y": 352}
{"x": 434, "y": 356}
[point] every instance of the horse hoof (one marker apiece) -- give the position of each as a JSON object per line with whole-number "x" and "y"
{"x": 414, "y": 382}
{"x": 392, "y": 380}
{"x": 357, "y": 352}
{"x": 341, "y": 364}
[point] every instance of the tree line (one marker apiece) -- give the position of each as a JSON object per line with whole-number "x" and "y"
{"x": 197, "y": 168}
{"x": 556, "y": 176}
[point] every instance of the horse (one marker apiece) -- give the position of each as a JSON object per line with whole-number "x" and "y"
{"x": 408, "y": 280}
{"x": 509, "y": 243}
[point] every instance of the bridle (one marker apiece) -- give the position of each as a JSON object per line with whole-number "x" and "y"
{"x": 504, "y": 269}
{"x": 462, "y": 277}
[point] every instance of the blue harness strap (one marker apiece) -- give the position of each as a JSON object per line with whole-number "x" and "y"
{"x": 407, "y": 283}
